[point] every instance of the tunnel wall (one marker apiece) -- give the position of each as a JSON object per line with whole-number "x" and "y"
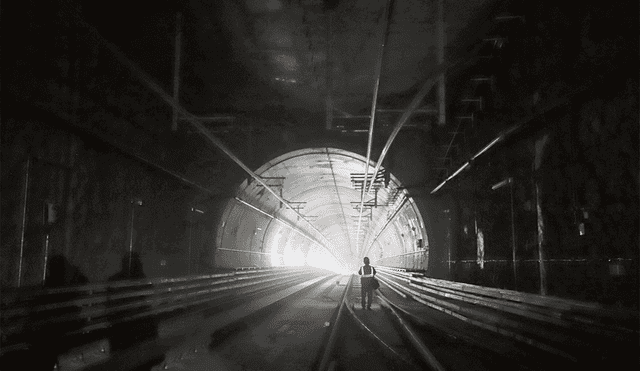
{"x": 403, "y": 242}
{"x": 408, "y": 231}
{"x": 587, "y": 184}
{"x": 241, "y": 237}
{"x": 575, "y": 152}
{"x": 90, "y": 130}
{"x": 92, "y": 189}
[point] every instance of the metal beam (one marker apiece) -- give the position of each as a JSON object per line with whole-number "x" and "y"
{"x": 523, "y": 123}
{"x": 403, "y": 119}
{"x": 176, "y": 69}
{"x": 156, "y": 88}
{"x": 23, "y": 216}
{"x": 346, "y": 115}
{"x": 441, "y": 41}
{"x": 463, "y": 167}
{"x": 328, "y": 76}
{"x": 417, "y": 99}
{"x": 383, "y": 39}
{"x": 467, "y": 164}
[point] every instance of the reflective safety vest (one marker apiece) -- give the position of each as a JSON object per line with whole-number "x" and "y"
{"x": 366, "y": 275}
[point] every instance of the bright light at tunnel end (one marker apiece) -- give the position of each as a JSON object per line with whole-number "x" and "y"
{"x": 293, "y": 241}
{"x": 323, "y": 260}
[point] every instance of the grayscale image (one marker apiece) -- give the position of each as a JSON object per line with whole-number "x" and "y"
{"x": 322, "y": 185}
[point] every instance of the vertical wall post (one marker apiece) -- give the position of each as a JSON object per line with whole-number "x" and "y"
{"x": 46, "y": 258}
{"x": 176, "y": 70}
{"x": 23, "y": 210}
{"x": 441, "y": 41}
{"x": 250, "y": 145}
{"x": 541, "y": 253}
{"x": 189, "y": 247}
{"x": 133, "y": 214}
{"x": 513, "y": 241}
{"x": 447, "y": 214}
{"x": 328, "y": 79}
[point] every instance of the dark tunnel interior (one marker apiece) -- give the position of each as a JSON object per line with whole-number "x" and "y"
{"x": 179, "y": 138}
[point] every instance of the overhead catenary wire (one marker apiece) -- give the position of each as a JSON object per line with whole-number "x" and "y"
{"x": 383, "y": 38}
{"x": 431, "y": 80}
{"x": 193, "y": 120}
{"x": 286, "y": 224}
{"x": 344, "y": 217}
{"x": 392, "y": 217}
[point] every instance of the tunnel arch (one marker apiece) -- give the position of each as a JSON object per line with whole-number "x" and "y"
{"x": 256, "y": 229}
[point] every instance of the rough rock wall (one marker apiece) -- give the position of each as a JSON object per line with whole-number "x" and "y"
{"x": 97, "y": 195}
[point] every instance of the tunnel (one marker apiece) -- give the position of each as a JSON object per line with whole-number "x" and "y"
{"x": 324, "y": 184}
{"x": 319, "y": 185}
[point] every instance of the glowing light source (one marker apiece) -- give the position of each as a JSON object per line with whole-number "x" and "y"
{"x": 275, "y": 259}
{"x": 321, "y": 259}
{"x": 293, "y": 256}
{"x": 283, "y": 79}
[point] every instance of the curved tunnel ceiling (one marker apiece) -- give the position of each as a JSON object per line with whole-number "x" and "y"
{"x": 324, "y": 185}
{"x": 297, "y": 52}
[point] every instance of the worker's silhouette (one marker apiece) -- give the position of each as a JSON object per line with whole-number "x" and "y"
{"x": 366, "y": 273}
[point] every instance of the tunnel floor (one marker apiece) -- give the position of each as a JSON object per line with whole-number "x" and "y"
{"x": 288, "y": 328}
{"x": 286, "y": 339}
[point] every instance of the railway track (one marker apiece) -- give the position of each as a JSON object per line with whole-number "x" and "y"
{"x": 282, "y": 336}
{"x": 392, "y": 338}
{"x": 322, "y": 328}
{"x": 521, "y": 330}
{"x": 314, "y": 322}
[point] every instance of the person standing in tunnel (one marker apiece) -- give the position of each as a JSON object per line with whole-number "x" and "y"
{"x": 366, "y": 273}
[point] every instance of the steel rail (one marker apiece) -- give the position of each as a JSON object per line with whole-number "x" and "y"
{"x": 371, "y": 333}
{"x": 404, "y": 254}
{"x": 45, "y": 300}
{"x": 157, "y": 89}
{"x": 124, "y": 360}
{"x": 422, "y": 349}
{"x": 494, "y": 323}
{"x": 383, "y": 36}
{"x": 392, "y": 285}
{"x": 152, "y": 301}
{"x": 333, "y": 336}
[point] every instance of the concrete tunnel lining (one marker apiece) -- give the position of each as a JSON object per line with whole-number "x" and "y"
{"x": 248, "y": 237}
